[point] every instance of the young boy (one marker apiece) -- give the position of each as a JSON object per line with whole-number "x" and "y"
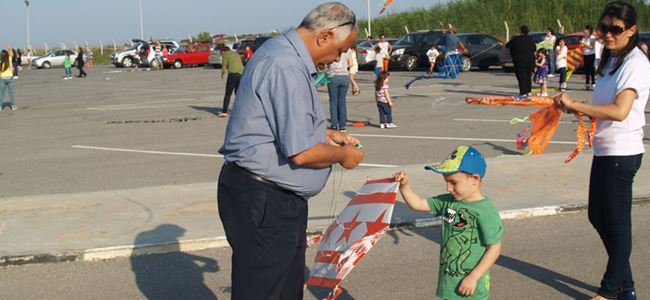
{"x": 471, "y": 226}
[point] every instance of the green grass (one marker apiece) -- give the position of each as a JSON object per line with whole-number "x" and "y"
{"x": 487, "y": 16}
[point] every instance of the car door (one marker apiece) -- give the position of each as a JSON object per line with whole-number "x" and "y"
{"x": 203, "y": 54}
{"x": 493, "y": 48}
{"x": 475, "y": 49}
{"x": 58, "y": 57}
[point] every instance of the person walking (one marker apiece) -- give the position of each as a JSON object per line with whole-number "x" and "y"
{"x": 15, "y": 61}
{"x": 278, "y": 153}
{"x": 337, "y": 89}
{"x": 231, "y": 63}
{"x": 522, "y": 50}
{"x": 353, "y": 69}
{"x": 618, "y": 104}
{"x": 589, "y": 45}
{"x": 79, "y": 61}
{"x": 6, "y": 78}
{"x": 29, "y": 57}
{"x": 550, "y": 39}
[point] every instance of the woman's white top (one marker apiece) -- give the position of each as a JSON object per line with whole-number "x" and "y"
{"x": 626, "y": 137}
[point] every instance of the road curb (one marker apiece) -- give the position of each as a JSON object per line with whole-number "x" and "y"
{"x": 96, "y": 254}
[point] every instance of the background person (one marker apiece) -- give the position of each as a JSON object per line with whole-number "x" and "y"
{"x": 232, "y": 64}
{"x": 550, "y": 39}
{"x": 6, "y": 78}
{"x": 561, "y": 52}
{"x": 278, "y": 153}
{"x": 353, "y": 69}
{"x": 79, "y": 61}
{"x": 337, "y": 89}
{"x": 522, "y": 50}
{"x": 618, "y": 104}
{"x": 589, "y": 44}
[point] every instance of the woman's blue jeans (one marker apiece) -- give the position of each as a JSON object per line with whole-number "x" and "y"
{"x": 338, "y": 90}
{"x": 7, "y": 85}
{"x": 610, "y": 212}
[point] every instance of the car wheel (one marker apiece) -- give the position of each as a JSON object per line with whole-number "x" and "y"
{"x": 127, "y": 62}
{"x": 467, "y": 64}
{"x": 178, "y": 64}
{"x": 46, "y": 65}
{"x": 411, "y": 63}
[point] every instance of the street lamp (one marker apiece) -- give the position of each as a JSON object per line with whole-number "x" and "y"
{"x": 29, "y": 43}
{"x": 369, "y": 30}
{"x": 141, "y": 25}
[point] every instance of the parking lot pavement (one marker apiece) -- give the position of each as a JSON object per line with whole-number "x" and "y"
{"x": 99, "y": 160}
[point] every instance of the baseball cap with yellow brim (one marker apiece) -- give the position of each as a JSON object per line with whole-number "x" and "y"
{"x": 464, "y": 159}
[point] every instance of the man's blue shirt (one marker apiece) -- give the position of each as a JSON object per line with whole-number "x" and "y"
{"x": 278, "y": 114}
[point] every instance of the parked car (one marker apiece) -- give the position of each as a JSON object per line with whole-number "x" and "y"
{"x": 258, "y": 41}
{"x": 54, "y": 58}
{"x": 215, "y": 55}
{"x": 409, "y": 52}
{"x": 645, "y": 37}
{"x": 141, "y": 53}
{"x": 192, "y": 54}
{"x": 573, "y": 40}
{"x": 483, "y": 50}
{"x": 241, "y": 47}
{"x": 365, "y": 53}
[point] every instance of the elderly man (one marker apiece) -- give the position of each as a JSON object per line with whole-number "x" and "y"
{"x": 278, "y": 153}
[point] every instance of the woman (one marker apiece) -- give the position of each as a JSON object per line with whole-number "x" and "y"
{"x": 522, "y": 50}
{"x": 353, "y": 66}
{"x": 589, "y": 45}
{"x": 79, "y": 61}
{"x": 337, "y": 89}
{"x": 6, "y": 78}
{"x": 550, "y": 49}
{"x": 618, "y": 104}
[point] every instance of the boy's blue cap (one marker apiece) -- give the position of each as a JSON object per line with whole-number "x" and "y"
{"x": 464, "y": 159}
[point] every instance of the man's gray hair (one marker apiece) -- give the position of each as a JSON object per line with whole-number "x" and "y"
{"x": 331, "y": 16}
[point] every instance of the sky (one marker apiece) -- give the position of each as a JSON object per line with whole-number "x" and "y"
{"x": 70, "y": 21}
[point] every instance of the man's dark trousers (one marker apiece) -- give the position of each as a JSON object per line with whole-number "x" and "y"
{"x": 266, "y": 228}
{"x": 232, "y": 84}
{"x": 524, "y": 73}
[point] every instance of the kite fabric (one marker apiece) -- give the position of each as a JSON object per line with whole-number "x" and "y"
{"x": 449, "y": 70}
{"x": 386, "y": 5}
{"x": 354, "y": 232}
{"x": 544, "y": 122}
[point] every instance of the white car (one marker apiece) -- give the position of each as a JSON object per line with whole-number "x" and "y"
{"x": 54, "y": 58}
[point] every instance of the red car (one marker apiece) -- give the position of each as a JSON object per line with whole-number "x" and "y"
{"x": 192, "y": 54}
{"x": 573, "y": 40}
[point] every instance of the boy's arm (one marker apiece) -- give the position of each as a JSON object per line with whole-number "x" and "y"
{"x": 468, "y": 284}
{"x": 413, "y": 200}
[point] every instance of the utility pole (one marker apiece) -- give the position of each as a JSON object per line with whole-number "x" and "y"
{"x": 29, "y": 42}
{"x": 141, "y": 25}
{"x": 369, "y": 17}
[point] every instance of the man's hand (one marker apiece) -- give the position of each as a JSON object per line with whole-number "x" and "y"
{"x": 337, "y": 138}
{"x": 467, "y": 286}
{"x": 353, "y": 156}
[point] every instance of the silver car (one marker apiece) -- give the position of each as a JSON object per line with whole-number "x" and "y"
{"x": 365, "y": 54}
{"x": 214, "y": 59}
{"x": 54, "y": 58}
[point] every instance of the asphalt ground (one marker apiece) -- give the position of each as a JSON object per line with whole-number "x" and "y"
{"x": 555, "y": 257}
{"x": 127, "y": 128}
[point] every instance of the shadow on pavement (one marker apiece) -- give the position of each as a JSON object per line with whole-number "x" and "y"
{"x": 322, "y": 292}
{"x": 557, "y": 281}
{"x": 175, "y": 275}
{"x": 213, "y": 110}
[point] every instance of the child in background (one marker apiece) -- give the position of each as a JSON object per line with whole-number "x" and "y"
{"x": 67, "y": 64}
{"x": 541, "y": 74}
{"x": 561, "y": 52}
{"x": 379, "y": 61}
{"x": 471, "y": 225}
{"x": 432, "y": 54}
{"x": 384, "y": 101}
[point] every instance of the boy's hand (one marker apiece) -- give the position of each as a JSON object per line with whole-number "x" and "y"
{"x": 467, "y": 286}
{"x": 401, "y": 177}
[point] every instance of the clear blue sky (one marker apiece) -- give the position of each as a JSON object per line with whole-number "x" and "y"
{"x": 69, "y": 21}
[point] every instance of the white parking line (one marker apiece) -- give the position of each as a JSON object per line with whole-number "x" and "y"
{"x": 508, "y": 121}
{"x": 189, "y": 154}
{"x": 449, "y": 138}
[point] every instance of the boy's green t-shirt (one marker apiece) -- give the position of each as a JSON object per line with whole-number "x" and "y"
{"x": 67, "y": 62}
{"x": 467, "y": 229}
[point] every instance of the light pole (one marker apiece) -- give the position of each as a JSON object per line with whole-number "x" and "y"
{"x": 29, "y": 43}
{"x": 369, "y": 30}
{"x": 141, "y": 25}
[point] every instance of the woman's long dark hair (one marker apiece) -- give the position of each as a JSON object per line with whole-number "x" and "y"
{"x": 4, "y": 61}
{"x": 626, "y": 13}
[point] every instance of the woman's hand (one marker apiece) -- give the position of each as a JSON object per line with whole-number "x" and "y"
{"x": 564, "y": 102}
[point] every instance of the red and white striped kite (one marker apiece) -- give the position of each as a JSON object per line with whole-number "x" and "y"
{"x": 355, "y": 231}
{"x": 386, "y": 5}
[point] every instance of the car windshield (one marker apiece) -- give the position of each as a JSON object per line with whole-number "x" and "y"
{"x": 180, "y": 49}
{"x": 408, "y": 39}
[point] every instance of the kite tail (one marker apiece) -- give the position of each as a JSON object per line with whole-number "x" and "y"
{"x": 592, "y": 131}
{"x": 580, "y": 136}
